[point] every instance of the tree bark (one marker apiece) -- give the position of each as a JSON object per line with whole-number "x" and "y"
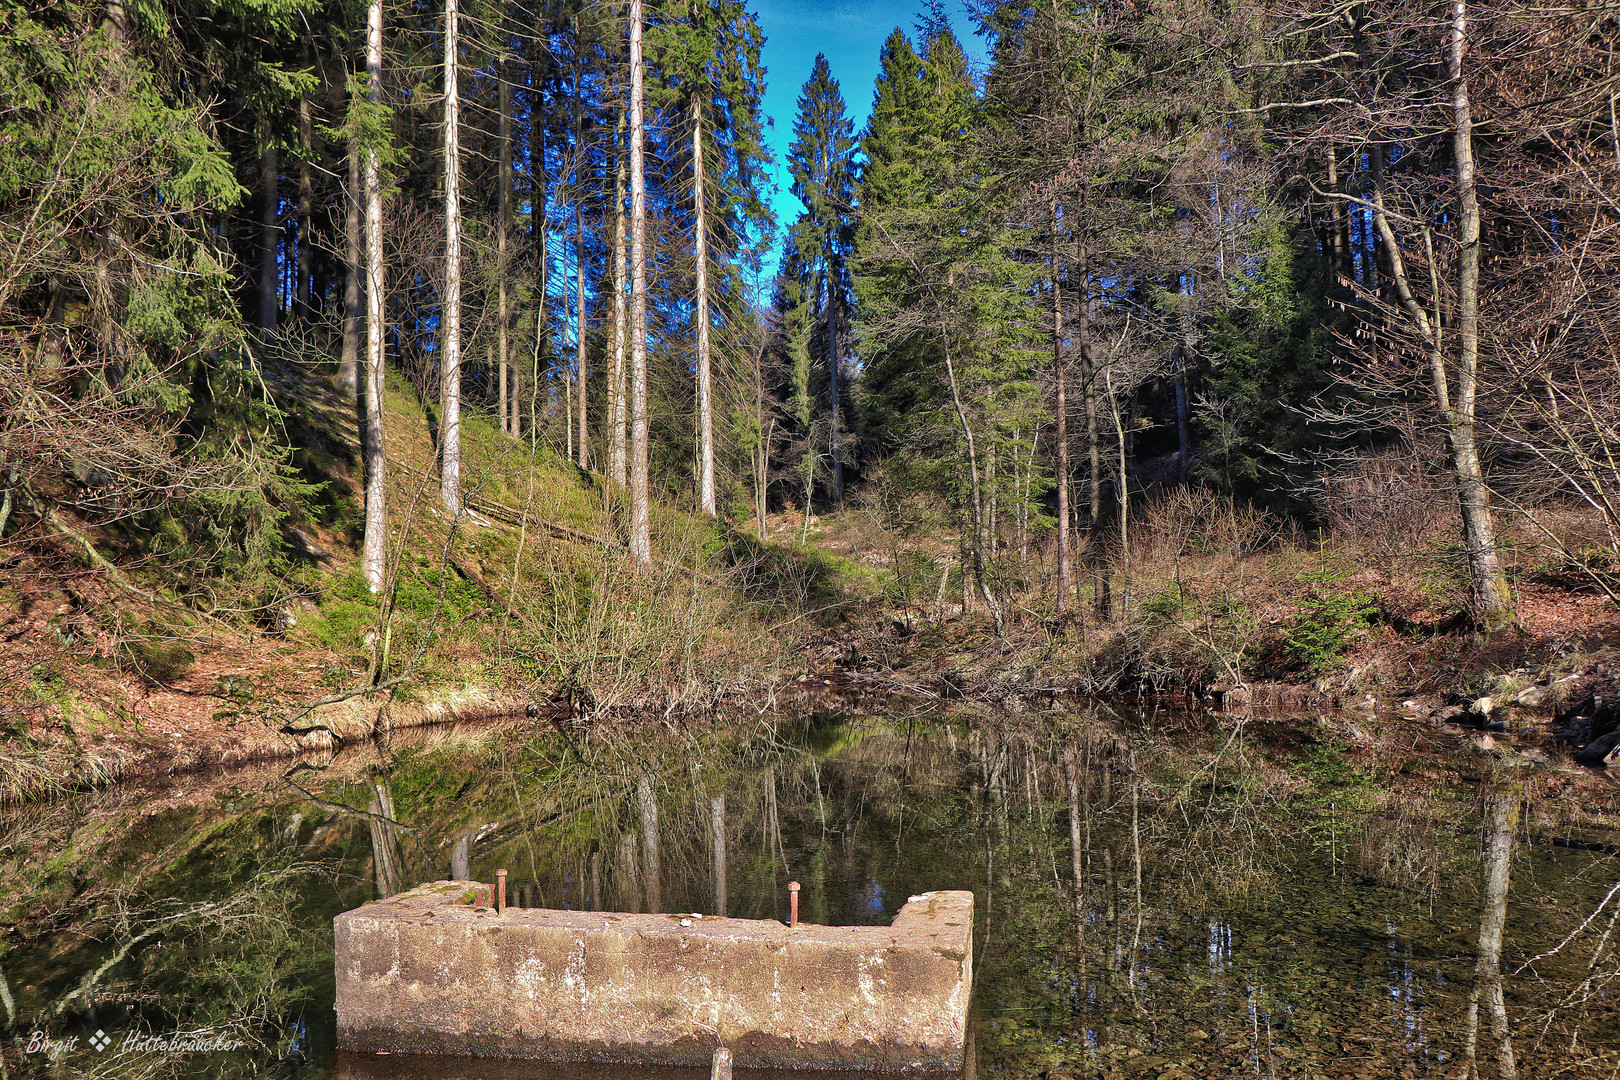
{"x": 762, "y": 447}
{"x": 980, "y": 572}
{"x": 640, "y": 519}
{"x": 832, "y": 382}
{"x": 1501, "y": 817}
{"x": 269, "y": 230}
{"x": 579, "y": 271}
{"x": 617, "y": 451}
{"x": 717, "y": 840}
{"x": 542, "y": 257}
{"x": 450, "y": 361}
{"x": 1061, "y": 410}
{"x": 349, "y": 365}
{"x": 1493, "y": 602}
{"x": 700, "y": 250}
{"x": 653, "y": 872}
{"x": 1183, "y": 356}
{"x": 374, "y": 550}
{"x": 303, "y": 294}
{"x": 503, "y": 230}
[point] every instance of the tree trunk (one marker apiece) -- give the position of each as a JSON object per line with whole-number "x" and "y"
{"x": 503, "y": 230}
{"x": 640, "y": 519}
{"x": 584, "y": 458}
{"x": 1101, "y": 592}
{"x": 1061, "y": 410}
{"x": 450, "y": 361}
{"x": 653, "y": 871}
{"x": 1501, "y": 817}
{"x": 269, "y": 231}
{"x": 374, "y": 551}
{"x": 762, "y": 446}
{"x": 349, "y": 364}
{"x": 302, "y": 295}
{"x": 1183, "y": 357}
{"x": 541, "y": 229}
{"x": 832, "y": 382}
{"x": 700, "y": 251}
{"x": 617, "y": 453}
{"x": 1124, "y": 501}
{"x": 1493, "y": 602}
{"x": 1339, "y": 223}
{"x": 717, "y": 840}
{"x": 980, "y": 573}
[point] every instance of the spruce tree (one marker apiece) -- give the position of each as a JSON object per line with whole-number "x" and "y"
{"x": 821, "y": 161}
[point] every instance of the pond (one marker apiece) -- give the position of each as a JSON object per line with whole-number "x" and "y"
{"x": 1157, "y": 894}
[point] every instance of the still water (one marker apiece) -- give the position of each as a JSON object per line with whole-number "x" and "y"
{"x": 1157, "y": 895}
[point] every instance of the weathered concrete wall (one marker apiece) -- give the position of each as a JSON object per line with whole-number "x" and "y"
{"x": 431, "y": 970}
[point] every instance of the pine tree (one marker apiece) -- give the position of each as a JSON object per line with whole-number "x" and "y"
{"x": 821, "y": 161}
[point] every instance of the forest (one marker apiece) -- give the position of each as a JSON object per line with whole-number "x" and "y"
{"x": 1182, "y": 343}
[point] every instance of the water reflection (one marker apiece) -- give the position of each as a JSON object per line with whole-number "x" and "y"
{"x": 1501, "y": 815}
{"x": 1161, "y": 897}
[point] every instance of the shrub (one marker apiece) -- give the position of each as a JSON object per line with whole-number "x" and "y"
{"x": 1329, "y": 621}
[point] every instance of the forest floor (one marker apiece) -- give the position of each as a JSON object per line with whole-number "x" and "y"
{"x": 526, "y": 605}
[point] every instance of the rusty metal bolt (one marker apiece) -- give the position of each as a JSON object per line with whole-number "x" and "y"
{"x": 500, "y": 892}
{"x": 793, "y": 903}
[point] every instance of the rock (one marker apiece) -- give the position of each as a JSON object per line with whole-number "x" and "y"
{"x": 1602, "y": 751}
{"x": 1481, "y": 707}
{"x": 1450, "y": 714}
{"x": 1597, "y": 714}
{"x": 1532, "y": 697}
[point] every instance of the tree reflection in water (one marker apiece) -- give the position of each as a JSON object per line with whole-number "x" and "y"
{"x": 1158, "y": 895}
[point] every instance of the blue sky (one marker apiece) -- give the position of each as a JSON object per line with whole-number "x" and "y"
{"x": 850, "y": 32}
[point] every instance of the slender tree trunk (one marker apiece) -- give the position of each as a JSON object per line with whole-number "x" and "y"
{"x": 1183, "y": 357}
{"x": 302, "y": 295}
{"x": 1101, "y": 593}
{"x": 1339, "y": 223}
{"x": 1492, "y": 599}
{"x": 1501, "y": 817}
{"x": 270, "y": 230}
{"x": 617, "y": 453}
{"x": 1061, "y": 409}
{"x": 450, "y": 361}
{"x": 653, "y": 872}
{"x": 1124, "y": 500}
{"x": 980, "y": 573}
{"x": 717, "y": 840}
{"x": 580, "y": 371}
{"x": 542, "y": 259}
{"x": 700, "y": 250}
{"x": 503, "y": 230}
{"x": 385, "y": 853}
{"x": 374, "y": 551}
{"x": 640, "y": 518}
{"x": 762, "y": 449}
{"x": 1076, "y": 848}
{"x": 832, "y": 383}
{"x": 584, "y": 458}
{"x": 349, "y": 365}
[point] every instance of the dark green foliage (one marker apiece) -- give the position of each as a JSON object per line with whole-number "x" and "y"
{"x": 1329, "y": 621}
{"x": 1274, "y": 366}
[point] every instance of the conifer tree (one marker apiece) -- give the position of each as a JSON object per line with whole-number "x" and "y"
{"x": 821, "y": 161}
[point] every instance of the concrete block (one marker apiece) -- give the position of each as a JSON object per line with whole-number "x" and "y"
{"x": 434, "y": 970}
